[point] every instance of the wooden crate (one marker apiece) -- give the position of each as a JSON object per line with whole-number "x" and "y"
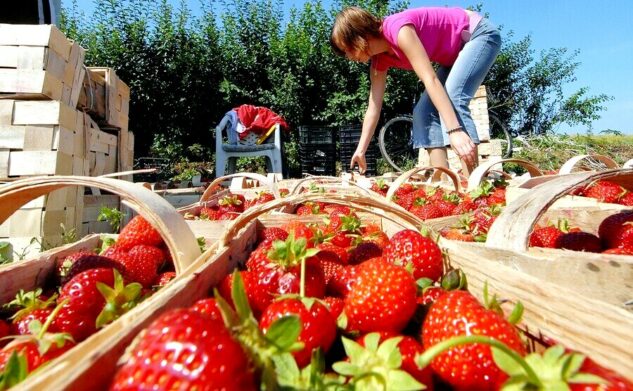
{"x": 92, "y": 365}
{"x": 92, "y": 204}
{"x": 39, "y": 62}
{"x": 105, "y": 97}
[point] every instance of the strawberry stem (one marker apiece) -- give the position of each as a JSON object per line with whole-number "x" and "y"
{"x": 50, "y": 318}
{"x": 302, "y": 287}
{"x": 425, "y": 358}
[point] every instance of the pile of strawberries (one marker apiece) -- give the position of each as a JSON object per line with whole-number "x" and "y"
{"x": 232, "y": 205}
{"x": 606, "y": 191}
{"x": 340, "y": 305}
{"x": 86, "y": 292}
{"x": 614, "y": 236}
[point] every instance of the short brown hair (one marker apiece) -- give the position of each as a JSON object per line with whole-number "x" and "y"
{"x": 352, "y": 27}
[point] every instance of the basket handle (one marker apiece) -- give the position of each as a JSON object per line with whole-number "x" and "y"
{"x": 157, "y": 211}
{"x": 482, "y": 170}
{"x": 512, "y": 228}
{"x": 570, "y": 164}
{"x": 326, "y": 179}
{"x": 211, "y": 189}
{"x": 437, "y": 173}
{"x": 374, "y": 205}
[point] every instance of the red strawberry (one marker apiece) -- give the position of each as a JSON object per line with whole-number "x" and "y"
{"x": 425, "y": 209}
{"x": 431, "y": 294}
{"x": 460, "y": 234}
{"x": 405, "y": 188}
{"x": 382, "y": 298}
{"x": 21, "y": 324}
{"x": 5, "y": 330}
{"x": 309, "y": 208}
{"x": 227, "y": 216}
{"x": 627, "y": 199}
{"x": 233, "y": 203}
{"x": 363, "y": 252}
{"x": 341, "y": 282}
{"x": 579, "y": 241}
{"x": 140, "y": 263}
{"x": 164, "y": 278}
{"x": 262, "y": 198}
{"x": 138, "y": 231}
{"x": 300, "y": 230}
{"x": 466, "y": 205}
{"x": 411, "y": 249}
{"x": 435, "y": 193}
{"x": 605, "y": 191}
{"x": 483, "y": 218}
{"x": 272, "y": 233}
{"x": 617, "y": 230}
{"x": 545, "y": 236}
{"x": 209, "y": 213}
{"x": 334, "y": 253}
{"x": 183, "y": 349}
{"x": 619, "y": 251}
{"x": 406, "y": 200}
{"x": 80, "y": 324}
{"x": 330, "y": 270}
{"x": 375, "y": 236}
{"x": 258, "y": 296}
{"x": 471, "y": 366}
{"x": 207, "y": 307}
{"x": 318, "y": 326}
{"x": 82, "y": 293}
{"x": 380, "y": 187}
{"x": 335, "y": 305}
{"x": 30, "y": 350}
{"x": 614, "y": 381}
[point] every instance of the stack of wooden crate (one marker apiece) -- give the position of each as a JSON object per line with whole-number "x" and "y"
{"x": 47, "y": 129}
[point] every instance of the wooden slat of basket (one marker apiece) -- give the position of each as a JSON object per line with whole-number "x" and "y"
{"x": 479, "y": 173}
{"x": 569, "y": 166}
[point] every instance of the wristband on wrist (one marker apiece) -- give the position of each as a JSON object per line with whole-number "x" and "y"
{"x": 457, "y": 129}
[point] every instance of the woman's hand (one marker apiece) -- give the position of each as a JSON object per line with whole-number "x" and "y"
{"x": 464, "y": 147}
{"x": 359, "y": 158}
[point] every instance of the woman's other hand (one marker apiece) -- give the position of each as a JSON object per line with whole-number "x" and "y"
{"x": 359, "y": 158}
{"x": 464, "y": 147}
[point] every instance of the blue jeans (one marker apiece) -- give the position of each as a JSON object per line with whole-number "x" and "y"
{"x": 461, "y": 82}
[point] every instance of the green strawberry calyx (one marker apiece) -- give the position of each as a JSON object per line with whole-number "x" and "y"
{"x": 375, "y": 366}
{"x": 28, "y": 302}
{"x": 120, "y": 298}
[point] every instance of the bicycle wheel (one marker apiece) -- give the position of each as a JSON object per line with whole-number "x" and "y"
{"x": 396, "y": 145}
{"x": 499, "y": 131}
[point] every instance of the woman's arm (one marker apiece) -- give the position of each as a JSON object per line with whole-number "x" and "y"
{"x": 416, "y": 54}
{"x": 372, "y": 115}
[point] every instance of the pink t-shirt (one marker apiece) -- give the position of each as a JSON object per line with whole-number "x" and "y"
{"x": 438, "y": 28}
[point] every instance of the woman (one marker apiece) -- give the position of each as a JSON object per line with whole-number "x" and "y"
{"x": 464, "y": 45}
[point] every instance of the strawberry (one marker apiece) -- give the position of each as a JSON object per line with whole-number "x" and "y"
{"x": 376, "y": 236}
{"x": 411, "y": 249}
{"x": 209, "y": 213}
{"x": 545, "y": 236}
{"x": 261, "y": 198}
{"x": 446, "y": 206}
{"x": 318, "y": 326}
{"x": 468, "y": 366}
{"x": 300, "y": 230}
{"x": 465, "y": 205}
{"x": 83, "y": 263}
{"x": 425, "y": 209}
{"x": 404, "y": 189}
{"x": 614, "y": 381}
{"x": 617, "y": 230}
{"x": 164, "y": 278}
{"x": 207, "y": 307}
{"x": 82, "y": 293}
{"x": 21, "y": 324}
{"x": 382, "y": 297}
{"x": 184, "y": 349}
{"x": 363, "y": 252}
{"x": 483, "y": 218}
{"x": 579, "y": 241}
{"x": 333, "y": 253}
{"x": 138, "y": 231}
{"x": 460, "y": 234}
{"x": 627, "y": 199}
{"x": 5, "y": 330}
{"x": 435, "y": 193}
{"x": 605, "y": 191}
{"x": 227, "y": 216}
{"x": 140, "y": 263}
{"x": 335, "y": 305}
{"x": 272, "y": 233}
{"x": 258, "y": 296}
{"x": 406, "y": 200}
{"x": 619, "y": 251}
{"x": 340, "y": 283}
{"x": 233, "y": 203}
{"x": 330, "y": 270}
{"x": 380, "y": 187}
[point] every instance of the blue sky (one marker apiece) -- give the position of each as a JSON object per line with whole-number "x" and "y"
{"x": 599, "y": 30}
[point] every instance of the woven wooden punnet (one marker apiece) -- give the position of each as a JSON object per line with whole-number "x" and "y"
{"x": 38, "y": 62}
{"x": 31, "y": 273}
{"x": 482, "y": 171}
{"x": 212, "y": 230}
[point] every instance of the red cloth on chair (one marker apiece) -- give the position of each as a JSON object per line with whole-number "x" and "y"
{"x": 258, "y": 119}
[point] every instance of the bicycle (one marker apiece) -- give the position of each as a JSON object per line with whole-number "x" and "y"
{"x": 395, "y": 140}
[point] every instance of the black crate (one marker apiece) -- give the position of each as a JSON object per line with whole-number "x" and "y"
{"x": 349, "y": 136}
{"x": 318, "y": 159}
{"x": 315, "y": 134}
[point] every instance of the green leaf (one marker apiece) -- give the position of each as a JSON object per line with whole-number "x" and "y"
{"x": 389, "y": 352}
{"x": 284, "y": 331}
{"x": 401, "y": 380}
{"x": 573, "y": 365}
{"x": 371, "y": 341}
{"x": 15, "y": 371}
{"x": 238, "y": 293}
{"x": 587, "y": 378}
{"x": 517, "y": 313}
{"x": 286, "y": 368}
{"x": 424, "y": 283}
{"x": 345, "y": 368}
{"x": 553, "y": 354}
{"x": 341, "y": 321}
{"x": 506, "y": 363}
{"x": 353, "y": 349}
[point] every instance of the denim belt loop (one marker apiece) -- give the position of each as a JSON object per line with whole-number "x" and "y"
{"x": 474, "y": 19}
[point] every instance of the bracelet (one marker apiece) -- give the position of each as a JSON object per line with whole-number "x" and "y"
{"x": 457, "y": 129}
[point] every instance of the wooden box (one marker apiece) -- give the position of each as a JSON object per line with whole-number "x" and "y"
{"x": 39, "y": 62}
{"x": 105, "y": 97}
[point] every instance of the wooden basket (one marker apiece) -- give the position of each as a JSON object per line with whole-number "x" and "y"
{"x": 576, "y": 163}
{"x": 480, "y": 173}
{"x": 436, "y": 179}
{"x": 212, "y": 230}
{"x": 91, "y": 365}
